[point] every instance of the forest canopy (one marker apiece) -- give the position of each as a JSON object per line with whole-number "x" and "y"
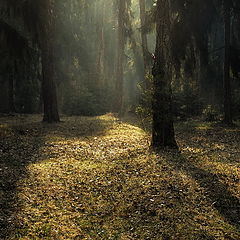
{"x": 98, "y": 56}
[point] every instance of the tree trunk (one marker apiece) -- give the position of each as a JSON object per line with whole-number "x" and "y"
{"x": 162, "y": 129}
{"x": 142, "y": 5}
{"x": 49, "y": 93}
{"x": 101, "y": 47}
{"x": 48, "y": 86}
{"x": 120, "y": 55}
{"x": 204, "y": 65}
{"x": 11, "y": 90}
{"x": 226, "y": 74}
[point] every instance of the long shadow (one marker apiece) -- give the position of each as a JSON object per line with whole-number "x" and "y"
{"x": 217, "y": 192}
{"x": 15, "y": 154}
{"x": 20, "y": 146}
{"x": 221, "y": 198}
{"x": 136, "y": 121}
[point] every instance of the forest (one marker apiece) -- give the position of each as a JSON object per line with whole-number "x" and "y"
{"x": 120, "y": 119}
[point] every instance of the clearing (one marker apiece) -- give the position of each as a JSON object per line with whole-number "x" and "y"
{"x": 95, "y": 178}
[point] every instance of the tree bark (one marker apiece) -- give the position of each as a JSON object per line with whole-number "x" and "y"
{"x": 100, "y": 66}
{"x": 162, "y": 128}
{"x": 204, "y": 65}
{"x": 120, "y": 55}
{"x": 226, "y": 74}
{"x": 49, "y": 93}
{"x": 11, "y": 90}
{"x": 142, "y": 6}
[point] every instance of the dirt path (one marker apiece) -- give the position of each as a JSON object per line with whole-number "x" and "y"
{"x": 94, "y": 178}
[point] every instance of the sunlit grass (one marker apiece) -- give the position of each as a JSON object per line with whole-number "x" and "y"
{"x": 95, "y": 178}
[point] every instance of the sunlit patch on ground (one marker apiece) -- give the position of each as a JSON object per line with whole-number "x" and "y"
{"x": 95, "y": 178}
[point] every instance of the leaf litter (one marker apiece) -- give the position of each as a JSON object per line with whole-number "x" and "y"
{"x": 95, "y": 178}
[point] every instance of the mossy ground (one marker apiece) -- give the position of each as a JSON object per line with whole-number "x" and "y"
{"x": 95, "y": 178}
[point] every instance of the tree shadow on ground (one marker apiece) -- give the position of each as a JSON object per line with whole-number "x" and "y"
{"x": 137, "y": 121}
{"x": 216, "y": 191}
{"x": 20, "y": 146}
{"x": 16, "y": 154}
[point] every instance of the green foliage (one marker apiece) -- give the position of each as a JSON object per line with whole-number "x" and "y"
{"x": 186, "y": 103}
{"x": 210, "y": 114}
{"x": 27, "y": 99}
{"x": 144, "y": 108}
{"x": 82, "y": 101}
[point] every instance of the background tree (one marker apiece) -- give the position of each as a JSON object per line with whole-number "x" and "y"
{"x": 46, "y": 13}
{"x": 226, "y": 74}
{"x": 84, "y": 45}
{"x": 121, "y": 12}
{"x": 145, "y": 52}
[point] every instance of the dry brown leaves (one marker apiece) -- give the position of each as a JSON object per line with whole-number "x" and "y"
{"x": 95, "y": 178}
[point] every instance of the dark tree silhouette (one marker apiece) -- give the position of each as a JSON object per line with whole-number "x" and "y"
{"x": 162, "y": 129}
{"x": 46, "y": 40}
{"x": 226, "y": 75}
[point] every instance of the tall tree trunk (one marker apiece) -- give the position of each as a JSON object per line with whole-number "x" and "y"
{"x": 101, "y": 47}
{"x": 142, "y": 5}
{"x": 204, "y": 65}
{"x": 49, "y": 93}
{"x": 162, "y": 129}
{"x": 11, "y": 89}
{"x": 120, "y": 55}
{"x": 226, "y": 74}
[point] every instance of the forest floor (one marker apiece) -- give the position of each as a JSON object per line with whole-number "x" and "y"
{"x": 95, "y": 178}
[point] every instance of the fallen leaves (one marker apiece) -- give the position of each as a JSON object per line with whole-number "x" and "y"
{"x": 95, "y": 178}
